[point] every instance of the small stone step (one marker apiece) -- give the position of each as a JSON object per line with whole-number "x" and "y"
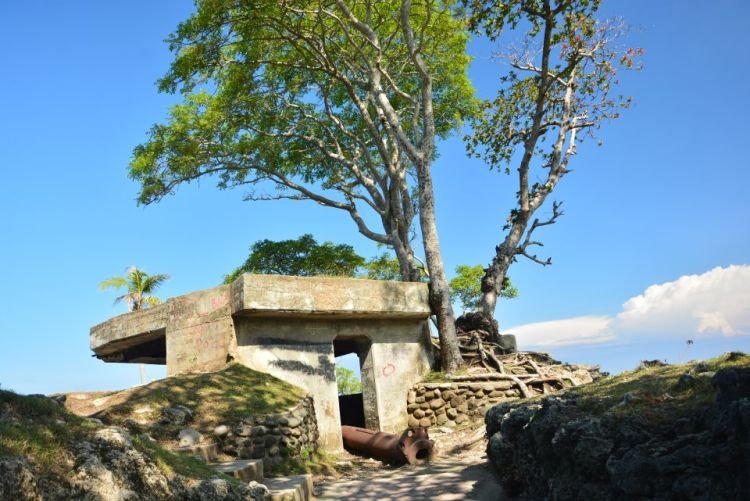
{"x": 296, "y": 488}
{"x": 207, "y": 452}
{"x": 243, "y": 469}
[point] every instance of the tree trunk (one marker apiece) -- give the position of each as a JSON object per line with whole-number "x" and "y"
{"x": 494, "y": 275}
{"x": 440, "y": 300}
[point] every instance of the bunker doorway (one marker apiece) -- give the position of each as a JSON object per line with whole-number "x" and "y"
{"x": 357, "y": 406}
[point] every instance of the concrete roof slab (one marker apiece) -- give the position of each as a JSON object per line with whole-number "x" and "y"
{"x": 274, "y": 295}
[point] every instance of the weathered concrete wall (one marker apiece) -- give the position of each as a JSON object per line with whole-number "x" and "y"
{"x": 200, "y": 331}
{"x": 301, "y": 351}
{"x": 129, "y": 329}
{"x": 305, "y": 296}
{"x": 400, "y": 358}
{"x": 287, "y": 327}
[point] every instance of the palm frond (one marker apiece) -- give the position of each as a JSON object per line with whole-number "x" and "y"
{"x": 113, "y": 283}
{"x": 139, "y": 285}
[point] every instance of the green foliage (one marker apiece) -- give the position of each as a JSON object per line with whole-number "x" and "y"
{"x": 302, "y": 257}
{"x": 283, "y": 92}
{"x": 559, "y": 82}
{"x": 347, "y": 382}
{"x": 139, "y": 284}
{"x": 383, "y": 267}
{"x": 466, "y": 286}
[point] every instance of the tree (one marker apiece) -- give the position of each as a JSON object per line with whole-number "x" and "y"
{"x": 302, "y": 257}
{"x": 347, "y": 382}
{"x": 338, "y": 102}
{"x": 140, "y": 287}
{"x": 382, "y": 267}
{"x": 466, "y": 287}
{"x": 557, "y": 92}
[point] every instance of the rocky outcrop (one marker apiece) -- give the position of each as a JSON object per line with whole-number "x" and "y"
{"x": 645, "y": 445}
{"x": 108, "y": 467}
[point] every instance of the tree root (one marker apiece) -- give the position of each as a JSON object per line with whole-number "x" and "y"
{"x": 531, "y": 373}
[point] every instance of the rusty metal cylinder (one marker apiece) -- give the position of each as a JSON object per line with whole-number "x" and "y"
{"x": 411, "y": 447}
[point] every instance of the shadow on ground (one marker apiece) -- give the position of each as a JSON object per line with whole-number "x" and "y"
{"x": 442, "y": 481}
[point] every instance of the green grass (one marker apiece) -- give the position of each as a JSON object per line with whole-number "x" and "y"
{"x": 42, "y": 431}
{"x": 435, "y": 377}
{"x": 222, "y": 397}
{"x": 38, "y": 428}
{"x": 309, "y": 461}
{"x": 655, "y": 396}
{"x": 169, "y": 462}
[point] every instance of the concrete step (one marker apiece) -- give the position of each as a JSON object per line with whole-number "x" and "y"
{"x": 243, "y": 469}
{"x": 295, "y": 488}
{"x": 207, "y": 452}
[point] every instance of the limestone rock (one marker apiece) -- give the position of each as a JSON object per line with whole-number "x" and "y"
{"x": 411, "y": 397}
{"x": 552, "y": 450}
{"x": 177, "y": 415}
{"x": 437, "y": 403}
{"x": 294, "y": 422}
{"x": 189, "y": 437}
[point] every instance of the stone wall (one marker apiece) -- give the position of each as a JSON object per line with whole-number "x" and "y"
{"x": 439, "y": 404}
{"x": 274, "y": 437}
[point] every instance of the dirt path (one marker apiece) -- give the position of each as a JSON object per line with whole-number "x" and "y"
{"x": 461, "y": 471}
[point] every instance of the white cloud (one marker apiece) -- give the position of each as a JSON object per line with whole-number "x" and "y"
{"x": 714, "y": 303}
{"x": 577, "y": 330}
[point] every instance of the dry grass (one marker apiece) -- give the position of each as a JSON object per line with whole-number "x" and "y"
{"x": 42, "y": 431}
{"x": 215, "y": 398}
{"x": 39, "y": 429}
{"x": 652, "y": 393}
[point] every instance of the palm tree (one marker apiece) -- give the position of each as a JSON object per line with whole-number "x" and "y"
{"x": 140, "y": 286}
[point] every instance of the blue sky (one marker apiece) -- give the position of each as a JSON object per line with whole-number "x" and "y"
{"x": 665, "y": 197}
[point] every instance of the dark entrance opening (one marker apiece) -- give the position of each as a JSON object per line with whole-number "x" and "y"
{"x": 357, "y": 403}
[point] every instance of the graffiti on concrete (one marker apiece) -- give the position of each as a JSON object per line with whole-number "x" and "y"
{"x": 325, "y": 368}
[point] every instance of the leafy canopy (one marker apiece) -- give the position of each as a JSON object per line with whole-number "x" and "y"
{"x": 347, "y": 382}
{"x": 466, "y": 286}
{"x": 382, "y": 267}
{"x": 281, "y": 91}
{"x": 302, "y": 257}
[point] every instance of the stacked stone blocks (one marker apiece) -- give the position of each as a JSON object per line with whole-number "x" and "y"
{"x": 451, "y": 404}
{"x": 274, "y": 437}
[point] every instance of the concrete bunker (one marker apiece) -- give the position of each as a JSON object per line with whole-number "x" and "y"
{"x": 292, "y": 328}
